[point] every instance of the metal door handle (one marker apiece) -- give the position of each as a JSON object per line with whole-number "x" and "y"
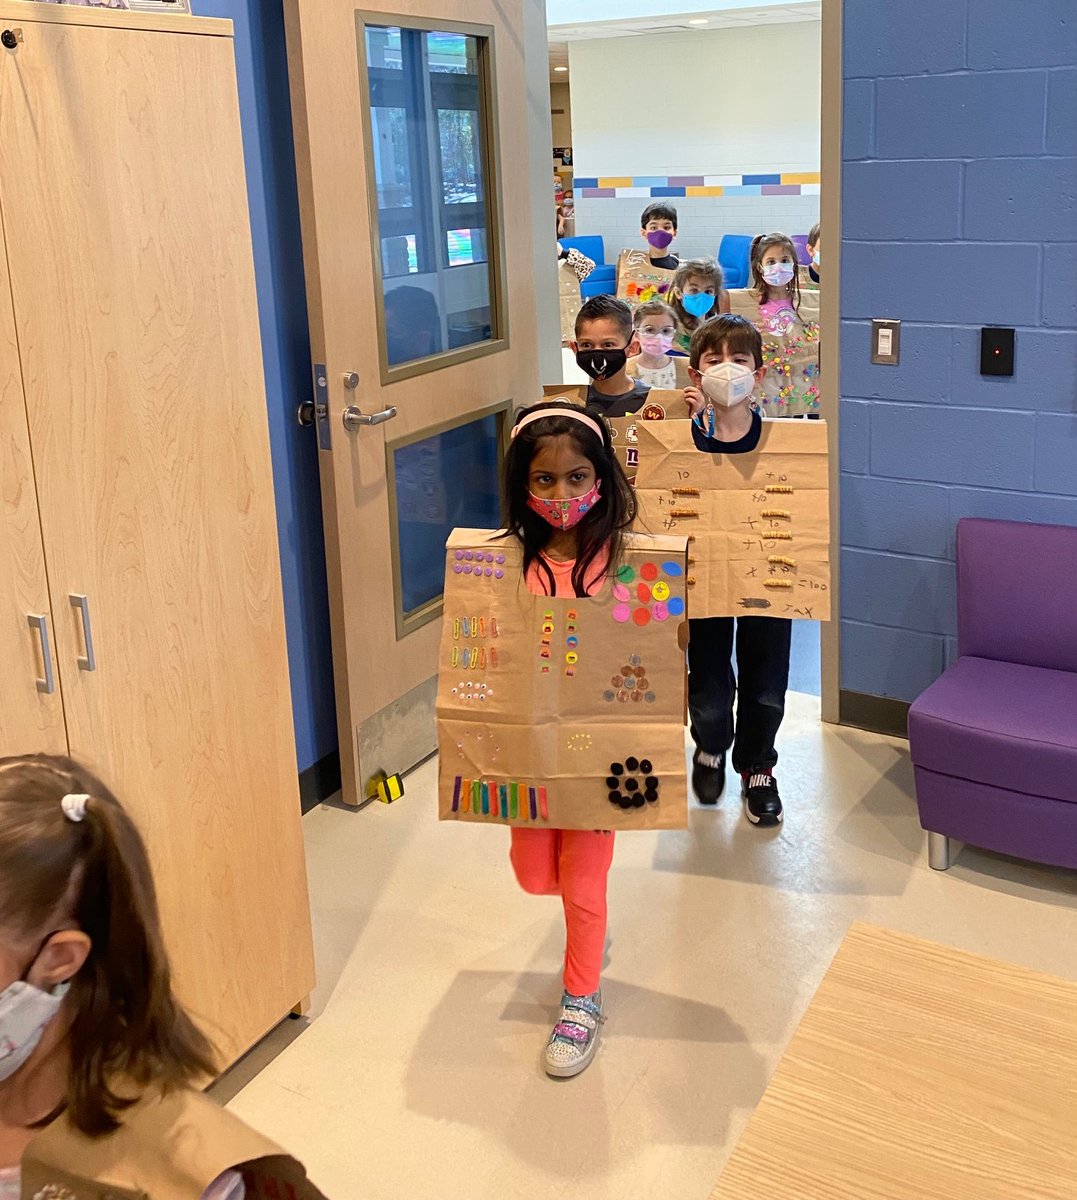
{"x": 82, "y": 603}
{"x": 48, "y": 684}
{"x": 355, "y": 418}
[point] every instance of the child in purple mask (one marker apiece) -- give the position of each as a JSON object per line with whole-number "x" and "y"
{"x": 658, "y": 226}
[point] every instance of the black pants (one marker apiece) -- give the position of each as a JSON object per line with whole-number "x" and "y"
{"x": 763, "y": 667}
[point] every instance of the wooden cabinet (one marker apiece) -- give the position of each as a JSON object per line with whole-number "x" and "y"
{"x": 136, "y": 474}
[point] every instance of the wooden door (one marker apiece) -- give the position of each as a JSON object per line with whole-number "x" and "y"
{"x": 411, "y": 142}
{"x": 31, "y": 711}
{"x": 125, "y": 211}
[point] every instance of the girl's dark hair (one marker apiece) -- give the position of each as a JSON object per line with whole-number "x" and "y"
{"x": 128, "y": 1027}
{"x": 602, "y": 529}
{"x": 702, "y": 268}
{"x": 760, "y": 245}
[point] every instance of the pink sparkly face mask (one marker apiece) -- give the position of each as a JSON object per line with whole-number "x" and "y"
{"x": 564, "y": 514}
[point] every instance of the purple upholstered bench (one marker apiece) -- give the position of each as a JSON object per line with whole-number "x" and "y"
{"x": 994, "y": 740}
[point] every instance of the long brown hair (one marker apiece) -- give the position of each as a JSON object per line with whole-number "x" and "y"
{"x": 760, "y": 246}
{"x": 702, "y": 268}
{"x": 128, "y": 1026}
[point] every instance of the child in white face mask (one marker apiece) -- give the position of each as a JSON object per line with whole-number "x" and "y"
{"x": 97, "y": 1057}
{"x": 790, "y": 334}
{"x": 727, "y": 370}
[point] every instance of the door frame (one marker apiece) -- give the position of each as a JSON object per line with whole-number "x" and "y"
{"x": 830, "y": 175}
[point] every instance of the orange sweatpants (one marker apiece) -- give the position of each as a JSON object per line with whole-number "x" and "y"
{"x": 572, "y": 864}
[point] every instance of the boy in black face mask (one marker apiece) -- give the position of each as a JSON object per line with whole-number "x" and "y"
{"x": 605, "y": 340}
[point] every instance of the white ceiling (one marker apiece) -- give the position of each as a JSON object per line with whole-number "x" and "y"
{"x": 735, "y": 14}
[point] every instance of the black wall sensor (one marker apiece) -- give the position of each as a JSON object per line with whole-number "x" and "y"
{"x": 996, "y": 351}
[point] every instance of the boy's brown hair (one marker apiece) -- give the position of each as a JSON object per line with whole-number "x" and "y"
{"x": 729, "y": 333}
{"x": 813, "y": 235}
{"x": 127, "y": 1025}
{"x": 653, "y": 308}
{"x": 608, "y": 308}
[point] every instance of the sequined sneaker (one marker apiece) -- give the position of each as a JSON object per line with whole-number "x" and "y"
{"x": 762, "y": 804}
{"x": 574, "y": 1038}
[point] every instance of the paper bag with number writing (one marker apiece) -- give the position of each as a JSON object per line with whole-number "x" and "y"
{"x": 661, "y": 402}
{"x": 638, "y": 280}
{"x": 758, "y": 523}
{"x": 562, "y": 713}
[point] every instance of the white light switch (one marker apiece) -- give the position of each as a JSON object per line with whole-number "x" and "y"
{"x": 885, "y": 342}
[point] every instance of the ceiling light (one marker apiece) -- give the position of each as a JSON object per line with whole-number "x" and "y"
{"x": 560, "y": 68}
{"x": 698, "y": 21}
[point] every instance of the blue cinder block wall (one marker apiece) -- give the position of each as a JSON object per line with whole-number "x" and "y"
{"x": 960, "y": 177}
{"x": 262, "y": 68}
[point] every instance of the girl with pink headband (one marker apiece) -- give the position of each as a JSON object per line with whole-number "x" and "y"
{"x": 568, "y": 503}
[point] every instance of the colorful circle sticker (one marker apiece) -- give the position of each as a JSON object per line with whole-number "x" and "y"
{"x": 660, "y": 591}
{"x": 626, "y": 574}
{"x": 642, "y": 616}
{"x": 676, "y": 607}
{"x": 644, "y": 593}
{"x": 621, "y": 613}
{"x": 620, "y": 592}
{"x": 660, "y": 611}
{"x": 673, "y": 569}
{"x": 648, "y": 571}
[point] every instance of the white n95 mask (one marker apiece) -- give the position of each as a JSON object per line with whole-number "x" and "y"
{"x": 728, "y": 383}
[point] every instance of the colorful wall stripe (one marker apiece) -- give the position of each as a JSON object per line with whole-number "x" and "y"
{"x": 638, "y": 187}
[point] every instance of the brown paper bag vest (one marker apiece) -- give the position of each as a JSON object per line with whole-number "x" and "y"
{"x": 168, "y": 1148}
{"x": 638, "y": 281}
{"x": 758, "y": 523}
{"x": 661, "y": 403}
{"x": 790, "y": 353}
{"x": 568, "y": 290}
{"x": 562, "y": 713}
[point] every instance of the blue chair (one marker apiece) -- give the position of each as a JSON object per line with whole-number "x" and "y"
{"x": 733, "y": 255}
{"x": 603, "y": 279}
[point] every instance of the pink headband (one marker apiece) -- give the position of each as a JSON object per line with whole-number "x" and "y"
{"x": 559, "y": 411}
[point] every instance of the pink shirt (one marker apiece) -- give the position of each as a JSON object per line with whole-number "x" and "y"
{"x": 537, "y": 582}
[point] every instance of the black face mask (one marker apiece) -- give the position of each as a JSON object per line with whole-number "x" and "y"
{"x": 602, "y": 364}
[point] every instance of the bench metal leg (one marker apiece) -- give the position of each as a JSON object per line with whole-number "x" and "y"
{"x": 938, "y": 851}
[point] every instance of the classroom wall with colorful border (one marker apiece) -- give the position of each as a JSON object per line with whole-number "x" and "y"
{"x": 642, "y": 187}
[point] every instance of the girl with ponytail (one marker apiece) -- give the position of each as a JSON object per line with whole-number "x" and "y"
{"x": 96, "y": 1052}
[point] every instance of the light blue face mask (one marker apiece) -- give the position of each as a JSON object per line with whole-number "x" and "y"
{"x": 698, "y": 304}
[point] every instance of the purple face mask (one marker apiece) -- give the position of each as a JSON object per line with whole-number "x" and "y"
{"x": 660, "y": 238}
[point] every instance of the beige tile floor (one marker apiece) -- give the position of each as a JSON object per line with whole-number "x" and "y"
{"x": 418, "y": 1074}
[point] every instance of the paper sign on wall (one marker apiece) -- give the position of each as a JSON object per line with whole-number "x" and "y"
{"x": 562, "y": 713}
{"x": 758, "y": 523}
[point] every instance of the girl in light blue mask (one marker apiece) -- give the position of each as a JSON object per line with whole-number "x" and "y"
{"x": 697, "y": 295}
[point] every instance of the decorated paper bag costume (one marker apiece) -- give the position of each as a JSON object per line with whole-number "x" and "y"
{"x": 660, "y": 403}
{"x": 568, "y": 288}
{"x": 169, "y": 1148}
{"x": 558, "y": 713}
{"x": 790, "y": 354}
{"x": 638, "y": 280}
{"x": 758, "y": 524}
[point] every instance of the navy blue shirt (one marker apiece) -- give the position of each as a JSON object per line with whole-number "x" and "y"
{"x": 742, "y": 445}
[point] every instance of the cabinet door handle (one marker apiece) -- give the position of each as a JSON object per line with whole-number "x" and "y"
{"x": 82, "y": 603}
{"x": 41, "y": 624}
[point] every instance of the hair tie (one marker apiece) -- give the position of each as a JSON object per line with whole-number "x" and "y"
{"x": 74, "y": 806}
{"x": 561, "y": 410}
